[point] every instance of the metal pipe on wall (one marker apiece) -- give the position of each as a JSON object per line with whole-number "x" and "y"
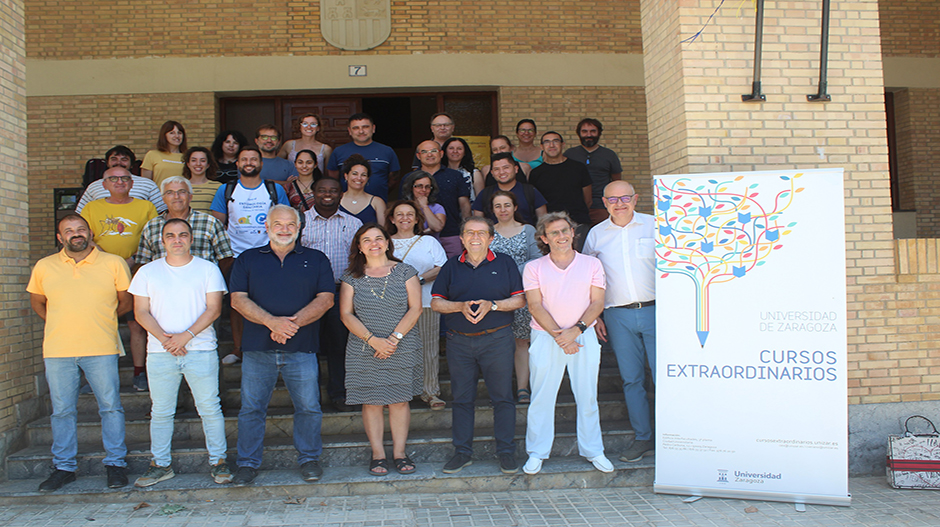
{"x": 756, "y": 95}
{"x": 821, "y": 95}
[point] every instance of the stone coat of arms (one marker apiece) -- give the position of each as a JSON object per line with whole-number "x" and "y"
{"x": 355, "y": 24}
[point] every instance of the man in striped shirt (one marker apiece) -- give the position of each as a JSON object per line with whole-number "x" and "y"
{"x": 330, "y": 230}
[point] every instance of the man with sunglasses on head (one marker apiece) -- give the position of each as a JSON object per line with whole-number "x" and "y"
{"x": 625, "y": 244}
{"x": 117, "y": 223}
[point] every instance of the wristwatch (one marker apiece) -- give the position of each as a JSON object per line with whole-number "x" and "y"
{"x": 493, "y": 307}
{"x": 421, "y": 280}
{"x": 582, "y": 326}
{"x": 397, "y": 335}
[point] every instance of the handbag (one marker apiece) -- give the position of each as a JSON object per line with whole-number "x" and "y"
{"x": 914, "y": 459}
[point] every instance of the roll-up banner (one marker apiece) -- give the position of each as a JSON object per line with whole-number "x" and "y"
{"x": 751, "y": 397}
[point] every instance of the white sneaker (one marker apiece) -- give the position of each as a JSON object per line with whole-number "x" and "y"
{"x": 230, "y": 359}
{"x": 602, "y": 463}
{"x": 534, "y": 465}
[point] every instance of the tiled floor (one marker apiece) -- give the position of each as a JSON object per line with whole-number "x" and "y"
{"x": 873, "y": 503}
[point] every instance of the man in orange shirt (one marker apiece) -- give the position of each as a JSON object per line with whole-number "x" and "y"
{"x": 79, "y": 292}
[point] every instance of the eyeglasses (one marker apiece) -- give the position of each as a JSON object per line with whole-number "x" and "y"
{"x": 268, "y": 137}
{"x": 432, "y": 151}
{"x": 309, "y": 125}
{"x": 527, "y": 130}
{"x": 476, "y": 234}
{"x": 552, "y": 141}
{"x": 622, "y": 199}
{"x": 554, "y": 234}
{"x": 122, "y": 179}
{"x": 182, "y": 192}
{"x": 421, "y": 186}
{"x": 442, "y": 125}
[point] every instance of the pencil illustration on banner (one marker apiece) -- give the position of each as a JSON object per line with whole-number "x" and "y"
{"x": 714, "y": 231}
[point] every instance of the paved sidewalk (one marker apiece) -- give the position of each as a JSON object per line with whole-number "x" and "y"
{"x": 874, "y": 503}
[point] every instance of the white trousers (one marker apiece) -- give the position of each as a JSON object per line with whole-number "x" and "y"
{"x": 547, "y": 364}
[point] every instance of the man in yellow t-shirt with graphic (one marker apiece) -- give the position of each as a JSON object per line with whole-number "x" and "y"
{"x": 80, "y": 292}
{"x": 117, "y": 222}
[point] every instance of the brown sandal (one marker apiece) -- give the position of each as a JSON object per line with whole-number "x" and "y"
{"x": 436, "y": 403}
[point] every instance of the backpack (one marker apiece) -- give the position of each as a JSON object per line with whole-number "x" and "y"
{"x": 272, "y": 193}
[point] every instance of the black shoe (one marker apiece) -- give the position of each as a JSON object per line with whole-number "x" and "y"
{"x": 311, "y": 471}
{"x": 117, "y": 477}
{"x": 57, "y": 480}
{"x": 341, "y": 406}
{"x": 244, "y": 476}
{"x": 507, "y": 463}
{"x": 457, "y": 463}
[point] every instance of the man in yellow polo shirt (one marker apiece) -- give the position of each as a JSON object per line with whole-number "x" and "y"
{"x": 80, "y": 292}
{"x": 117, "y": 222}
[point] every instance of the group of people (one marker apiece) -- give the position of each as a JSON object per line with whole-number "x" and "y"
{"x": 321, "y": 263}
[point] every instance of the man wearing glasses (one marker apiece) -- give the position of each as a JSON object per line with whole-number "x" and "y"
{"x": 565, "y": 183}
{"x": 116, "y": 222}
{"x": 274, "y": 167}
{"x": 625, "y": 244}
{"x": 442, "y": 129}
{"x": 453, "y": 195}
{"x": 476, "y": 293}
{"x": 142, "y": 188}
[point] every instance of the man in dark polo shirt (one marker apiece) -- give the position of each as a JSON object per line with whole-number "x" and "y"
{"x": 453, "y": 194}
{"x": 282, "y": 289}
{"x": 477, "y": 293}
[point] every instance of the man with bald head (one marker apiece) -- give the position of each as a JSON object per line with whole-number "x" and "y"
{"x": 454, "y": 194}
{"x": 625, "y": 244}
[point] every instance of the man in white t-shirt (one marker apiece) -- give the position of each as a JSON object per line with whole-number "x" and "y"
{"x": 243, "y": 211}
{"x": 176, "y": 299}
{"x": 565, "y": 292}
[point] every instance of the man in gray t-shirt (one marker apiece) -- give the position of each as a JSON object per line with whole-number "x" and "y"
{"x": 602, "y": 163}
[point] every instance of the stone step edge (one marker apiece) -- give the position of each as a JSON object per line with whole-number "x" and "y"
{"x": 415, "y": 438}
{"x": 483, "y": 474}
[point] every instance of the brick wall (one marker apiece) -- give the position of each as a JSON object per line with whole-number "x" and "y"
{"x": 917, "y": 116}
{"x": 104, "y": 29}
{"x": 18, "y": 330}
{"x": 64, "y": 132}
{"x": 910, "y": 28}
{"x": 621, "y": 110}
{"x": 888, "y": 319}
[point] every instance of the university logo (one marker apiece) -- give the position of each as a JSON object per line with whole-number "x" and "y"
{"x": 355, "y": 24}
{"x": 722, "y": 476}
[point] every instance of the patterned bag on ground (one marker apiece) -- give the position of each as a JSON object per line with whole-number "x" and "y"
{"x": 914, "y": 459}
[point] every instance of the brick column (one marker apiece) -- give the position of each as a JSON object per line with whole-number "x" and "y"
{"x": 20, "y": 359}
{"x": 698, "y": 123}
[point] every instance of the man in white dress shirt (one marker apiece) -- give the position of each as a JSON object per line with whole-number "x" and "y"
{"x": 625, "y": 244}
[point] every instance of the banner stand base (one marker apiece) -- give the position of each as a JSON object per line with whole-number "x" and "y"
{"x": 797, "y": 499}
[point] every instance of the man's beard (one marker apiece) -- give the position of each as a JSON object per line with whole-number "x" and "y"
{"x": 589, "y": 141}
{"x": 255, "y": 171}
{"x": 79, "y": 246}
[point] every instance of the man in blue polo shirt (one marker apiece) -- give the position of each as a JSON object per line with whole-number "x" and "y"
{"x": 477, "y": 293}
{"x": 282, "y": 290}
{"x": 382, "y": 159}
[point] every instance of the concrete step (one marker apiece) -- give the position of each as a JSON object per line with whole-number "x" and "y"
{"x": 484, "y": 475}
{"x": 280, "y": 421}
{"x": 341, "y": 450}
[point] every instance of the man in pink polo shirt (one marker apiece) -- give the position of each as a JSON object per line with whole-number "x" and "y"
{"x": 565, "y": 291}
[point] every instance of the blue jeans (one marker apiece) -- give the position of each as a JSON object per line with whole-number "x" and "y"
{"x": 493, "y": 355}
{"x": 259, "y": 373}
{"x": 632, "y": 334}
{"x": 62, "y": 374}
{"x": 164, "y": 373}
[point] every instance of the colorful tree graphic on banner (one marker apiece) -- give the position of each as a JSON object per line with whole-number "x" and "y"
{"x": 718, "y": 231}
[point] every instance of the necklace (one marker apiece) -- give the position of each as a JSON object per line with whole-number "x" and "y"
{"x": 385, "y": 285}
